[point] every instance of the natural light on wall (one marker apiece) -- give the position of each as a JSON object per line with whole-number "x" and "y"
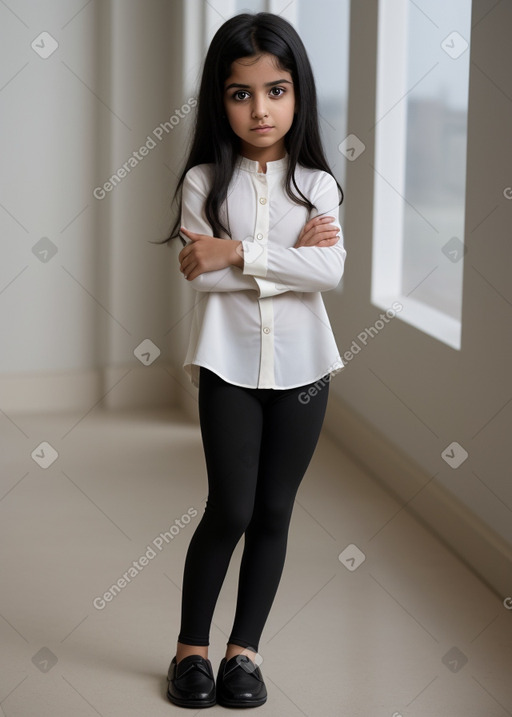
{"x": 420, "y": 162}
{"x": 324, "y": 29}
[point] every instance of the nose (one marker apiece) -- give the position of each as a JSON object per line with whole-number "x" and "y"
{"x": 259, "y": 108}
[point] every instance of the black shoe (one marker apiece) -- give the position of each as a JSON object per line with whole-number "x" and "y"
{"x": 240, "y": 683}
{"x": 191, "y": 682}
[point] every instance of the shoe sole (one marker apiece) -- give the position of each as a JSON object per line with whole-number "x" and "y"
{"x": 190, "y": 703}
{"x": 241, "y": 703}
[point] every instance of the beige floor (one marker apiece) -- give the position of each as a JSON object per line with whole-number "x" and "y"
{"x": 388, "y": 638}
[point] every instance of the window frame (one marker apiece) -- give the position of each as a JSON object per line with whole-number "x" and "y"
{"x": 389, "y": 181}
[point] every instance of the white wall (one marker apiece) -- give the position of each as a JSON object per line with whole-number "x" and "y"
{"x": 405, "y": 390}
{"x": 70, "y": 325}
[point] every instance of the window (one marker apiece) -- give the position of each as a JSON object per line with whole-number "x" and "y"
{"x": 420, "y": 162}
{"x": 324, "y": 30}
{"x": 250, "y": 6}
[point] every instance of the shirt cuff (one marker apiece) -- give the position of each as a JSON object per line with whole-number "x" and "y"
{"x": 255, "y": 258}
{"x": 267, "y": 287}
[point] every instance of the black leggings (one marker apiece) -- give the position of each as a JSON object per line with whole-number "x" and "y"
{"x": 257, "y": 444}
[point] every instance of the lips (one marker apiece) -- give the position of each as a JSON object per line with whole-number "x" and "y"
{"x": 262, "y": 128}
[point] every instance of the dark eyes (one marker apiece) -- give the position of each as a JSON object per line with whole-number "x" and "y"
{"x": 241, "y": 95}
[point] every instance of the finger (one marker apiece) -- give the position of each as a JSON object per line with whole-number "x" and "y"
{"x": 319, "y": 220}
{"x": 189, "y": 269}
{"x": 324, "y": 218}
{"x": 320, "y": 226}
{"x": 188, "y": 264}
{"x": 192, "y": 273}
{"x": 314, "y": 223}
{"x": 321, "y": 241}
{"x": 313, "y": 237}
{"x": 184, "y": 253}
{"x": 188, "y": 250}
{"x": 193, "y": 236}
{"x": 328, "y": 242}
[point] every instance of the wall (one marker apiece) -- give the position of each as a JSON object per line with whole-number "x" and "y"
{"x": 405, "y": 397}
{"x": 73, "y": 313}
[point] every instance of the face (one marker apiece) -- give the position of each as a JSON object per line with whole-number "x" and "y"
{"x": 259, "y": 101}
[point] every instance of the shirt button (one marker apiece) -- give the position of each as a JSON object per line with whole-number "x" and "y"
{"x": 259, "y": 236}
{"x": 263, "y": 200}
{"x": 266, "y": 330}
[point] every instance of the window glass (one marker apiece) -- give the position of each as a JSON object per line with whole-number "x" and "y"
{"x": 421, "y": 132}
{"x": 324, "y": 29}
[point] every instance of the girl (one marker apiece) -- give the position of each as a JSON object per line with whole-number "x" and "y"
{"x": 259, "y": 209}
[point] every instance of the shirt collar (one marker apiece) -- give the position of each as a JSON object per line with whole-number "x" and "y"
{"x": 251, "y": 165}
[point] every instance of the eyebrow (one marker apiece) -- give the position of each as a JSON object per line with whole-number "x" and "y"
{"x": 248, "y": 87}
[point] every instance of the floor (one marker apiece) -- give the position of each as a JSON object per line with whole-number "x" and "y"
{"x": 374, "y": 617}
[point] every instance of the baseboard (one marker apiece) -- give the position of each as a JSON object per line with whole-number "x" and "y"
{"x": 472, "y": 540}
{"x": 116, "y": 387}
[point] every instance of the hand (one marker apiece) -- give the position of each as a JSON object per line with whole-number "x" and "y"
{"x": 319, "y": 231}
{"x": 207, "y": 253}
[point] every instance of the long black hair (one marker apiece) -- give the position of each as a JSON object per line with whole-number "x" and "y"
{"x": 248, "y": 35}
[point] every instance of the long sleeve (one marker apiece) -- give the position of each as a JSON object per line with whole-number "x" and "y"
{"x": 265, "y": 326}
{"x": 232, "y": 278}
{"x": 305, "y": 269}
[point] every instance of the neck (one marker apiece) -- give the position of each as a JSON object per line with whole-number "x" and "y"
{"x": 263, "y": 155}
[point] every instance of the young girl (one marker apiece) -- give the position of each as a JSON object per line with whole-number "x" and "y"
{"x": 259, "y": 209}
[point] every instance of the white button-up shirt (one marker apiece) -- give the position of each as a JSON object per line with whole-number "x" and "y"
{"x": 265, "y": 326}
